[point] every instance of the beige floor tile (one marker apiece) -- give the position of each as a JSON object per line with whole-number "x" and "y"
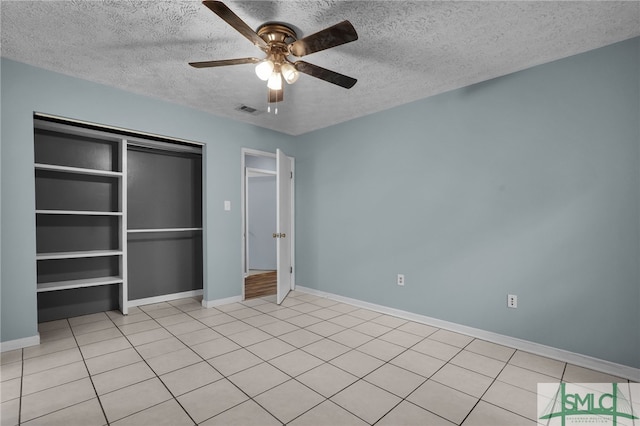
{"x": 160, "y": 347}
{"x": 389, "y": 321}
{"x": 8, "y": 357}
{"x": 164, "y": 312}
{"x": 199, "y": 336}
{"x": 401, "y": 338}
{"x": 325, "y": 328}
{"x": 451, "y": 338}
{"x": 255, "y": 301}
{"x": 357, "y": 363}
{"x": 204, "y": 313}
{"x": 295, "y": 362}
{"x": 230, "y": 307}
{"x": 233, "y": 362}
{"x": 259, "y": 378}
{"x": 351, "y": 338}
{"x": 366, "y": 401}
{"x": 291, "y": 301}
{"x": 365, "y": 314}
{"x": 327, "y": 413}
{"x": 174, "y": 319}
{"x": 154, "y": 306}
{"x": 250, "y": 337}
{"x": 10, "y": 412}
{"x": 278, "y": 328}
{"x": 189, "y": 378}
{"x": 52, "y": 360}
{"x": 324, "y": 314}
{"x": 50, "y": 347}
{"x": 346, "y": 320}
{"x": 325, "y": 302}
{"x": 217, "y": 320}
{"x": 478, "y": 363}
{"x": 210, "y": 400}
{"x": 215, "y": 347}
{"x": 233, "y": 327}
{"x": 55, "y": 334}
{"x": 418, "y": 363}
{"x": 53, "y": 377}
{"x": 185, "y": 327}
{"x": 284, "y": 313}
{"x": 575, "y": 374}
{"x": 418, "y": 329}
{"x": 54, "y": 399}
{"x": 523, "y": 378}
{"x": 132, "y": 318}
{"x": 306, "y": 307}
{"x": 168, "y": 413}
{"x": 270, "y": 349}
{"x": 372, "y": 329}
{"x": 300, "y": 338}
{"x": 269, "y": 307}
{"x": 467, "y": 381}
{"x": 381, "y": 349}
{"x": 408, "y": 414}
{"x": 303, "y": 320}
{"x": 107, "y": 362}
{"x": 148, "y": 336}
{"x": 92, "y": 326}
{"x": 394, "y": 379}
{"x": 173, "y": 361}
{"x": 98, "y": 336}
{"x": 10, "y": 389}
{"x": 487, "y": 414}
{"x": 444, "y": 401}
{"x": 87, "y": 413}
{"x": 122, "y": 377}
{"x": 11, "y": 371}
{"x": 513, "y": 399}
{"x": 492, "y": 350}
{"x": 436, "y": 349}
{"x": 538, "y": 363}
{"x": 288, "y": 400}
{"x": 326, "y": 349}
{"x": 327, "y": 379}
{"x": 259, "y": 320}
{"x": 343, "y": 308}
{"x": 53, "y": 325}
{"x": 246, "y": 414}
{"x": 104, "y": 347}
{"x": 139, "y": 327}
{"x": 85, "y": 319}
{"x": 134, "y": 398}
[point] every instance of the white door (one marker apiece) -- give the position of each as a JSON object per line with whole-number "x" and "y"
{"x": 283, "y": 232}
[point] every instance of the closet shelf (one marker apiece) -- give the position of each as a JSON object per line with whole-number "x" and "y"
{"x": 77, "y": 254}
{"x": 69, "y": 284}
{"x": 79, "y": 212}
{"x": 76, "y": 170}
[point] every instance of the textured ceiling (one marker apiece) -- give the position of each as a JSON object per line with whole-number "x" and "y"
{"x": 405, "y": 51}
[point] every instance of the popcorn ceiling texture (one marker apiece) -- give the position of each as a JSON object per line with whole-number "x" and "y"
{"x": 406, "y": 50}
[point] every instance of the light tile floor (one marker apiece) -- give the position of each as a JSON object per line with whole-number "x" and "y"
{"x": 310, "y": 361}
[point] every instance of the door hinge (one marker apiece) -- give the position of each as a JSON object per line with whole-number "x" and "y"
{"x": 291, "y": 175}
{"x": 291, "y": 269}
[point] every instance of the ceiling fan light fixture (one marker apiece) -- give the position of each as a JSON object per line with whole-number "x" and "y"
{"x": 264, "y": 69}
{"x": 275, "y": 81}
{"x": 289, "y": 73}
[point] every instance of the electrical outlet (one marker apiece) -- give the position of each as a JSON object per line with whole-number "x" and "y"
{"x": 512, "y": 301}
{"x": 400, "y": 280}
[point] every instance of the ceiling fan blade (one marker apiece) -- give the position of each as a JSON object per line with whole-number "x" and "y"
{"x": 329, "y": 37}
{"x": 224, "y": 62}
{"x": 325, "y": 74}
{"x": 234, "y": 20}
{"x": 276, "y": 95}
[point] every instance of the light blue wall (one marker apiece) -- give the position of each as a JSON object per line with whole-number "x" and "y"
{"x": 527, "y": 184}
{"x": 26, "y": 89}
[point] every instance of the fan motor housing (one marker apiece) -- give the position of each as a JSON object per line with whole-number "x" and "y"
{"x": 276, "y": 33}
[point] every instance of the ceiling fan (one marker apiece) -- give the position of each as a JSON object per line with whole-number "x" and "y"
{"x": 279, "y": 41}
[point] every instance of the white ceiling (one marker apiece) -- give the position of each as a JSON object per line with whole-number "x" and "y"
{"x": 405, "y": 51}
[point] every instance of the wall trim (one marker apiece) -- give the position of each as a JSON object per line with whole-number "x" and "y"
{"x": 218, "y": 302}
{"x": 164, "y": 298}
{"x": 10, "y": 345}
{"x": 604, "y": 366}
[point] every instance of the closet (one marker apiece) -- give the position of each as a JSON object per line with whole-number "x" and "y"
{"x": 118, "y": 218}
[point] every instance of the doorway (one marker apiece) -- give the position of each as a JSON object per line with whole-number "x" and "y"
{"x": 267, "y": 224}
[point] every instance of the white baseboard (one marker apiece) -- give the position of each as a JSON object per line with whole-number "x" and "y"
{"x": 218, "y": 302}
{"x": 586, "y": 361}
{"x": 20, "y": 343}
{"x": 163, "y": 298}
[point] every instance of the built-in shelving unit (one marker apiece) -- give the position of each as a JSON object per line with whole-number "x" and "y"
{"x": 80, "y": 204}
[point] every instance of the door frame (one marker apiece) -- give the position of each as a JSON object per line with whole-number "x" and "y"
{"x": 243, "y": 206}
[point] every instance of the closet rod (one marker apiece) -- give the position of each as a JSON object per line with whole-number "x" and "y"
{"x": 140, "y": 231}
